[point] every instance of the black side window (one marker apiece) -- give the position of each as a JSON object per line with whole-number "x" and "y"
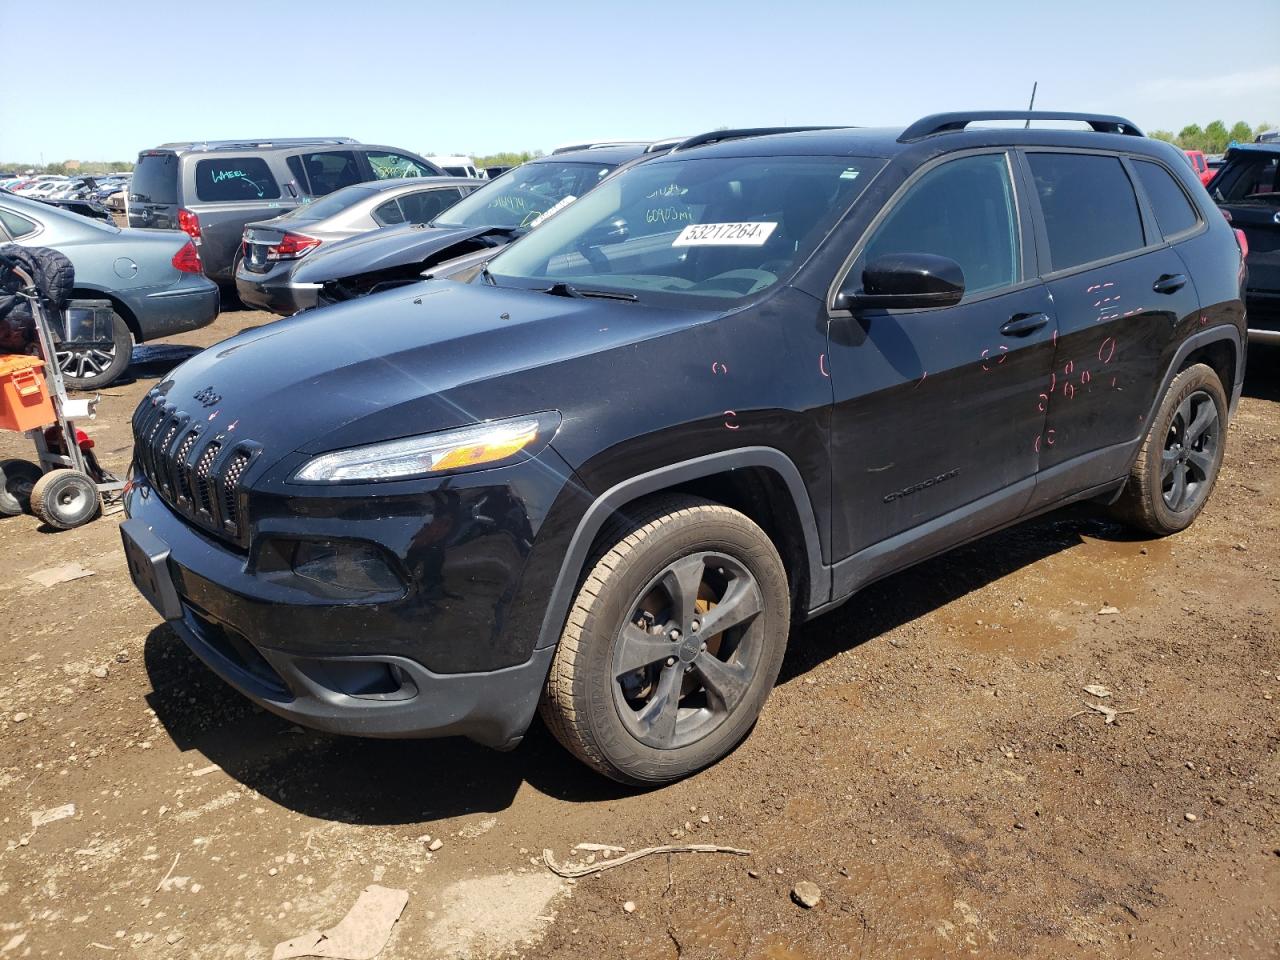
{"x": 964, "y": 210}
{"x": 388, "y": 213}
{"x": 1174, "y": 212}
{"x": 18, "y": 227}
{"x": 1250, "y": 179}
{"x": 235, "y": 178}
{"x": 330, "y": 171}
{"x": 425, "y": 205}
{"x": 1090, "y": 209}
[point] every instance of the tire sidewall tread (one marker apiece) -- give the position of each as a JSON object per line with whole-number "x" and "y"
{"x": 578, "y": 702}
{"x": 44, "y": 499}
{"x": 1141, "y": 503}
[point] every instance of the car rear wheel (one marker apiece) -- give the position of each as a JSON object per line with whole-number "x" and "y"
{"x": 93, "y": 365}
{"x": 1179, "y": 461}
{"x": 672, "y": 644}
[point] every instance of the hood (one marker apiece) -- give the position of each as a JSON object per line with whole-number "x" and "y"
{"x": 383, "y": 249}
{"x": 382, "y": 367}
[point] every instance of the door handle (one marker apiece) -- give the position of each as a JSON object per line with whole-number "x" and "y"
{"x": 1169, "y": 283}
{"x": 1024, "y": 323}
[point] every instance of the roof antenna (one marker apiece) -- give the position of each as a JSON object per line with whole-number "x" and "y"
{"x": 1032, "y": 105}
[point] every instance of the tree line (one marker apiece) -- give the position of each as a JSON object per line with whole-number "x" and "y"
{"x": 1213, "y": 137}
{"x": 86, "y": 168}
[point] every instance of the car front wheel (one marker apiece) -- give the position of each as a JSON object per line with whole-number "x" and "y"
{"x": 672, "y": 644}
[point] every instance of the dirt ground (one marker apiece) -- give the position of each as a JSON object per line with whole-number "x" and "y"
{"x": 929, "y": 760}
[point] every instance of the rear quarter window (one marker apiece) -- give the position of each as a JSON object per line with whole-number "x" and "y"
{"x": 17, "y": 226}
{"x": 1090, "y": 209}
{"x": 1174, "y": 212}
{"x": 235, "y": 178}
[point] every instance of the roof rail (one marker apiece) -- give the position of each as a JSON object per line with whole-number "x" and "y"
{"x": 719, "y": 136}
{"x": 955, "y": 122}
{"x": 264, "y": 143}
{"x": 597, "y": 145}
{"x": 668, "y": 143}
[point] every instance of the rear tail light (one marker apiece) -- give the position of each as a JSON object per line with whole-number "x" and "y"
{"x": 189, "y": 223}
{"x": 1243, "y": 242}
{"x": 188, "y": 258}
{"x": 292, "y": 246}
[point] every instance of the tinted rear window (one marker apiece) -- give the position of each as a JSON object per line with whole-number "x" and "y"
{"x": 155, "y": 179}
{"x": 234, "y": 178}
{"x": 1173, "y": 210}
{"x": 1090, "y": 209}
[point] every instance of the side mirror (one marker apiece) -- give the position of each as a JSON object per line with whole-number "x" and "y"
{"x": 905, "y": 281}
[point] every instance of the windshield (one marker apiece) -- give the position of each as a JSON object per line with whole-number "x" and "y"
{"x": 520, "y": 197}
{"x": 327, "y": 206}
{"x": 714, "y": 227}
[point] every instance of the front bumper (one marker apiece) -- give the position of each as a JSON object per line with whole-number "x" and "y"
{"x": 453, "y": 656}
{"x": 493, "y": 708}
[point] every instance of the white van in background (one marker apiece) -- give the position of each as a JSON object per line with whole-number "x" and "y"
{"x": 459, "y": 167}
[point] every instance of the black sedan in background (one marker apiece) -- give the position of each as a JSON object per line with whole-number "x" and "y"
{"x": 491, "y": 217}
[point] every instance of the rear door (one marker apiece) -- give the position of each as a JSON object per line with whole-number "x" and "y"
{"x": 1122, "y": 295}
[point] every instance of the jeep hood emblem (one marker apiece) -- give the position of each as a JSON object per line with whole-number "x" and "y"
{"x": 207, "y": 397}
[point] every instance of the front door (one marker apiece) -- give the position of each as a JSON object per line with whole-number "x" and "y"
{"x": 937, "y": 415}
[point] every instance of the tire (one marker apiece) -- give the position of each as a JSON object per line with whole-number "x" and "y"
{"x": 17, "y": 477}
{"x": 65, "y": 499}
{"x": 610, "y": 715}
{"x": 1180, "y": 457}
{"x": 93, "y": 368}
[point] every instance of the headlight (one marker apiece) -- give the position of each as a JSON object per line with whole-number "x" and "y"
{"x": 485, "y": 444}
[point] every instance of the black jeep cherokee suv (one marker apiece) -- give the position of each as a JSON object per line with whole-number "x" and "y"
{"x": 724, "y": 390}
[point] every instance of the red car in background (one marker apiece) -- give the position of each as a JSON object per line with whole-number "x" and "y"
{"x": 1200, "y": 165}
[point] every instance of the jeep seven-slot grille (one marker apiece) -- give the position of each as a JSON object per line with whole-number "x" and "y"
{"x": 196, "y": 471}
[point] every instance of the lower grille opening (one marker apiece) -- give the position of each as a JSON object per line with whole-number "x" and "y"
{"x": 365, "y": 679}
{"x": 232, "y": 646}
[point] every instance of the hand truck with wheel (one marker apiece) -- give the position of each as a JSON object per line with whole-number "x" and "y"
{"x": 66, "y": 487}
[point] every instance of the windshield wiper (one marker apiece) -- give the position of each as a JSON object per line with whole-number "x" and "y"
{"x": 562, "y": 289}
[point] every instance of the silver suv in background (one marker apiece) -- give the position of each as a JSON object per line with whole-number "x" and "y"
{"x": 211, "y": 189}
{"x": 273, "y": 247}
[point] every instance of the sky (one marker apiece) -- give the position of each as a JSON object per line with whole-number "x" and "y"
{"x": 501, "y": 75}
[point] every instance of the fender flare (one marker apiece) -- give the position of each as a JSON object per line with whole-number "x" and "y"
{"x": 664, "y": 478}
{"x": 1202, "y": 338}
